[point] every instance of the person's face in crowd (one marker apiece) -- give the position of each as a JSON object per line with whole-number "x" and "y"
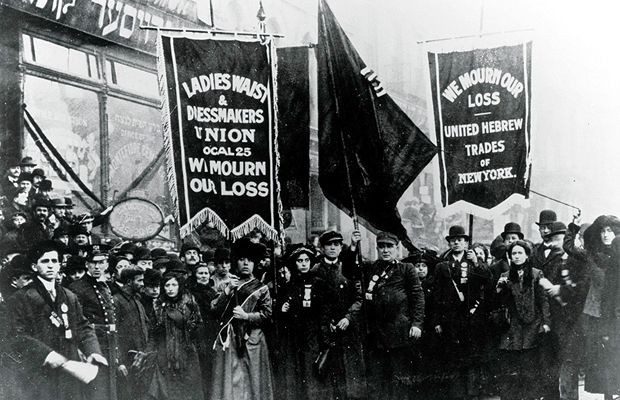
{"x": 21, "y": 198}
{"x": 27, "y": 169}
{"x": 607, "y": 235}
{"x": 144, "y": 264}
{"x": 64, "y": 239}
{"x": 265, "y": 263}
{"x": 47, "y": 266}
{"x": 81, "y": 239}
{"x": 303, "y": 263}
{"x": 192, "y": 257}
{"x": 458, "y": 244}
{"x": 518, "y": 256}
{"x": 18, "y": 220}
{"x": 203, "y": 275}
{"x": 332, "y": 249}
{"x": 136, "y": 284}
{"x": 41, "y": 213}
{"x": 1, "y": 215}
{"x": 315, "y": 242}
{"x": 121, "y": 265}
{"x": 480, "y": 254}
{"x": 69, "y": 212}
{"x": 171, "y": 287}
{"x": 256, "y": 238}
{"x": 88, "y": 225}
{"x": 14, "y": 171}
{"x": 544, "y": 230}
{"x": 36, "y": 180}
{"x": 97, "y": 267}
{"x": 510, "y": 238}
{"x": 26, "y": 185}
{"x": 222, "y": 268}
{"x": 387, "y": 251}
{"x": 151, "y": 291}
{"x": 422, "y": 270}
{"x": 21, "y": 281}
{"x": 556, "y": 241}
{"x": 76, "y": 275}
{"x": 60, "y": 212}
{"x": 245, "y": 266}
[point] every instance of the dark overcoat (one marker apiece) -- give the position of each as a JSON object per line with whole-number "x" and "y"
{"x": 35, "y": 336}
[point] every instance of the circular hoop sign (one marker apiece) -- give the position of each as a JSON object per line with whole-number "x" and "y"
{"x": 136, "y": 219}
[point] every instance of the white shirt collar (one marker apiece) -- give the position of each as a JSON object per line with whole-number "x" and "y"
{"x": 49, "y": 286}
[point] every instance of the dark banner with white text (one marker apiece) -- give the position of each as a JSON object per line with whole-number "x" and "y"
{"x": 220, "y": 133}
{"x": 481, "y": 101}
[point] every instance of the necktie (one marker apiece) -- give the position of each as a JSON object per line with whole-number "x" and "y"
{"x": 52, "y": 295}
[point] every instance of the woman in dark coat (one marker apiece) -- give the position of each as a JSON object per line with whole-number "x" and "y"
{"x": 299, "y": 317}
{"x": 201, "y": 287}
{"x": 599, "y": 263}
{"x": 177, "y": 318}
{"x": 519, "y": 290}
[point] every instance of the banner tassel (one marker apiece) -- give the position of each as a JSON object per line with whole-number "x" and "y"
{"x": 206, "y": 214}
{"x": 254, "y": 222}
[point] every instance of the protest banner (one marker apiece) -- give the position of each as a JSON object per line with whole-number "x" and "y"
{"x": 220, "y": 136}
{"x": 481, "y": 101}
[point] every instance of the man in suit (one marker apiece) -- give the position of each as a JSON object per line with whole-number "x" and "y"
{"x": 48, "y": 329}
{"x": 395, "y": 301}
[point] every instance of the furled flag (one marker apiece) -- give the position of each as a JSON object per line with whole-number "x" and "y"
{"x": 369, "y": 150}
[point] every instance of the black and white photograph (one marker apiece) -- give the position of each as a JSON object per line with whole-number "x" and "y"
{"x": 309, "y": 200}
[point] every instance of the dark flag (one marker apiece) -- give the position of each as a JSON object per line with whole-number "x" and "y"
{"x": 369, "y": 150}
{"x": 294, "y": 126}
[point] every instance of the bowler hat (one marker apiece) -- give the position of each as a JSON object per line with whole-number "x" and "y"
{"x": 556, "y": 228}
{"x": 547, "y": 217}
{"x": 387, "y": 237}
{"x": 69, "y": 202}
{"x": 62, "y": 230}
{"x": 41, "y": 202}
{"x": 45, "y": 185}
{"x": 457, "y": 231}
{"x": 159, "y": 252}
{"x": 38, "y": 172}
{"x": 330, "y": 236}
{"x": 142, "y": 253}
{"x": 512, "y": 227}
{"x": 27, "y": 162}
{"x": 25, "y": 176}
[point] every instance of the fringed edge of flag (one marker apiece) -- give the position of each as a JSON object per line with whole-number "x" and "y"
{"x": 206, "y": 214}
{"x": 273, "y": 55}
{"x": 255, "y": 221}
{"x": 166, "y": 127}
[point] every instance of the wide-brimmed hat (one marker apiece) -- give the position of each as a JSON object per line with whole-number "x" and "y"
{"x": 546, "y": 217}
{"x": 512, "y": 227}
{"x": 456, "y": 231}
{"x": 27, "y": 162}
{"x": 45, "y": 185}
{"x": 556, "y": 228}
{"x": 330, "y": 236}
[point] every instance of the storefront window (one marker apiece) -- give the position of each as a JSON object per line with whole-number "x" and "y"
{"x": 69, "y": 117}
{"x": 132, "y": 79}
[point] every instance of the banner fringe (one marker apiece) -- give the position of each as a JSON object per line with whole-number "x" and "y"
{"x": 206, "y": 214}
{"x": 250, "y": 224}
{"x": 166, "y": 127}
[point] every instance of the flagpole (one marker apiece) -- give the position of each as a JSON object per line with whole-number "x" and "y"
{"x": 209, "y": 31}
{"x": 342, "y": 138}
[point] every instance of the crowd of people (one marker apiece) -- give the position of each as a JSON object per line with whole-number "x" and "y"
{"x": 511, "y": 320}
